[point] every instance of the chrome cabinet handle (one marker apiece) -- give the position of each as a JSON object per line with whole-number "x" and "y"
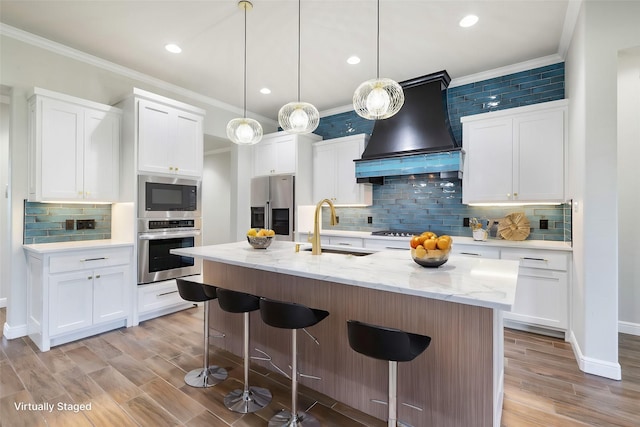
{"x": 469, "y": 253}
{"x": 533, "y": 259}
{"x": 94, "y": 259}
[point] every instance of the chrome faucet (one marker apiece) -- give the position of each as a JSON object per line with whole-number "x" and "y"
{"x": 315, "y": 238}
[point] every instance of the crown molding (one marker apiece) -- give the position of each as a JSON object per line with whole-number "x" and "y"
{"x": 570, "y": 21}
{"x": 337, "y": 110}
{"x": 60, "y": 49}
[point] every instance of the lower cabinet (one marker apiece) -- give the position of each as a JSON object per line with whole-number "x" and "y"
{"x": 158, "y": 299}
{"x": 542, "y": 296}
{"x": 75, "y": 294}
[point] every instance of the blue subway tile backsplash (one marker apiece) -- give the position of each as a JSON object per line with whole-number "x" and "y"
{"x": 45, "y": 222}
{"x": 426, "y": 202}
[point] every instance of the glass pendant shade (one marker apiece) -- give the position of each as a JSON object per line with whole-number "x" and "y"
{"x": 298, "y": 117}
{"x": 244, "y": 131}
{"x": 378, "y": 99}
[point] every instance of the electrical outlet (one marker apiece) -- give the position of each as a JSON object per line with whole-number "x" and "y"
{"x": 68, "y": 224}
{"x": 369, "y": 220}
{"x": 544, "y": 224}
{"x": 465, "y": 222}
{"x": 86, "y": 224}
{"x": 337, "y": 219}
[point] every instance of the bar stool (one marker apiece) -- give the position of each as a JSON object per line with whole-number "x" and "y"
{"x": 207, "y": 376}
{"x": 286, "y": 315}
{"x": 249, "y": 399}
{"x": 388, "y": 344}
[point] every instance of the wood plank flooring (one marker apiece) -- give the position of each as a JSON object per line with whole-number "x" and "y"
{"x": 135, "y": 377}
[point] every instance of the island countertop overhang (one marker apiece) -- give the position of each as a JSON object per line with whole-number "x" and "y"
{"x": 481, "y": 282}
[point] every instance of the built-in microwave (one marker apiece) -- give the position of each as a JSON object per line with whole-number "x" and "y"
{"x": 164, "y": 197}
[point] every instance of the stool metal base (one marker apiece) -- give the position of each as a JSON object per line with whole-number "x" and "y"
{"x": 245, "y": 402}
{"x": 285, "y": 419}
{"x": 205, "y": 377}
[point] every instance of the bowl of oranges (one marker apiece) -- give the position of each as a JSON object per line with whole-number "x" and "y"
{"x": 260, "y": 238}
{"x": 430, "y": 250}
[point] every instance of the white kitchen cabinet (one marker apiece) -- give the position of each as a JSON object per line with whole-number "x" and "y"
{"x": 516, "y": 155}
{"x": 75, "y": 293}
{"x": 74, "y": 148}
{"x": 159, "y": 298}
{"x": 170, "y": 140}
{"x": 282, "y": 153}
{"x": 334, "y": 171}
{"x": 542, "y": 295}
{"x": 475, "y": 251}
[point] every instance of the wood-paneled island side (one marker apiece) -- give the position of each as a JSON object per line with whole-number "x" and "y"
{"x": 457, "y": 381}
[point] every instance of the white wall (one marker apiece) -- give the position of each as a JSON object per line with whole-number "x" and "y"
{"x": 602, "y": 30}
{"x": 216, "y": 198}
{"x": 5, "y": 266}
{"x": 24, "y": 65}
{"x": 629, "y": 193}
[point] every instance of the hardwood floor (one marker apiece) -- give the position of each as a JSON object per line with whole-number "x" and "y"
{"x": 135, "y": 377}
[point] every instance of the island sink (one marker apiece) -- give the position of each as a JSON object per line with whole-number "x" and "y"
{"x": 341, "y": 251}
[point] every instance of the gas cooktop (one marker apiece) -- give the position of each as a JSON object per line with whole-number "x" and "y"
{"x": 394, "y": 233}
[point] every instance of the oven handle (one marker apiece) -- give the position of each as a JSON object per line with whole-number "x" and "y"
{"x": 168, "y": 235}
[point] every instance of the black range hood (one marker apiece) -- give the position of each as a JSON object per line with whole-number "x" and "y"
{"x": 420, "y": 127}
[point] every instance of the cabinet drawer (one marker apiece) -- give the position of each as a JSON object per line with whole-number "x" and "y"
{"x": 538, "y": 259}
{"x": 89, "y": 259}
{"x": 384, "y": 244}
{"x": 158, "y": 295}
{"x": 346, "y": 241}
{"x": 475, "y": 251}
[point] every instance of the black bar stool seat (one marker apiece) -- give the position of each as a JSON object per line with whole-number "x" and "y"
{"x": 249, "y": 399}
{"x": 287, "y": 315}
{"x": 207, "y": 376}
{"x": 392, "y": 345}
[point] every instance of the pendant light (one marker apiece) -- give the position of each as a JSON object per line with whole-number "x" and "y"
{"x": 378, "y": 98}
{"x": 298, "y": 117}
{"x": 244, "y": 131}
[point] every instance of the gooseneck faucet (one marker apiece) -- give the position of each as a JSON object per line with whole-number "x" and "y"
{"x": 315, "y": 238}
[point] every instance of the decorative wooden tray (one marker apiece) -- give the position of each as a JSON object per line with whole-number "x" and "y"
{"x": 514, "y": 226}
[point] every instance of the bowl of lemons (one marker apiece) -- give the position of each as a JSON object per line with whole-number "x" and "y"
{"x": 430, "y": 250}
{"x": 260, "y": 238}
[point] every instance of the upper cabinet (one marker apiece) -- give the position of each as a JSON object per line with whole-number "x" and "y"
{"x": 74, "y": 147}
{"x": 517, "y": 155}
{"x": 282, "y": 153}
{"x": 334, "y": 171}
{"x": 170, "y": 139}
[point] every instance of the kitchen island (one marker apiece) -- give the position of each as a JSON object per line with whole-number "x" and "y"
{"x": 457, "y": 381}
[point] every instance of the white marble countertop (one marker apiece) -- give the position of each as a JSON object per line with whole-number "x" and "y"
{"x": 524, "y": 244}
{"x": 44, "y": 248}
{"x": 480, "y": 282}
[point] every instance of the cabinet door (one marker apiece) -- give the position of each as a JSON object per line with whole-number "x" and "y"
{"x": 154, "y": 137}
{"x": 324, "y": 172}
{"x": 264, "y": 158}
{"x": 70, "y": 302}
{"x": 348, "y": 191}
{"x": 488, "y": 172}
{"x": 62, "y": 133}
{"x": 541, "y": 298}
{"x": 539, "y": 156}
{"x": 110, "y": 294}
{"x": 286, "y": 155}
{"x": 101, "y": 156}
{"x": 187, "y": 158}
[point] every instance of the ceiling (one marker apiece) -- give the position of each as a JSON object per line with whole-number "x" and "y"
{"x": 416, "y": 38}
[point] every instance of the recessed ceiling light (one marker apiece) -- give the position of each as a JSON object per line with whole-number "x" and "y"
{"x": 468, "y": 21}
{"x": 353, "y": 60}
{"x": 265, "y": 91}
{"x": 173, "y": 48}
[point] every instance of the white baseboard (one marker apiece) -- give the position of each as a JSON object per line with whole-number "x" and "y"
{"x": 629, "y": 328}
{"x": 3, "y": 302}
{"x": 11, "y": 332}
{"x": 593, "y": 366}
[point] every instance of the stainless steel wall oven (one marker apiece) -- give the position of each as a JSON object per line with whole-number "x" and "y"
{"x": 156, "y": 238}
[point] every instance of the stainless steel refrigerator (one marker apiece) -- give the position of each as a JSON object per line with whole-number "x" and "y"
{"x": 272, "y": 204}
